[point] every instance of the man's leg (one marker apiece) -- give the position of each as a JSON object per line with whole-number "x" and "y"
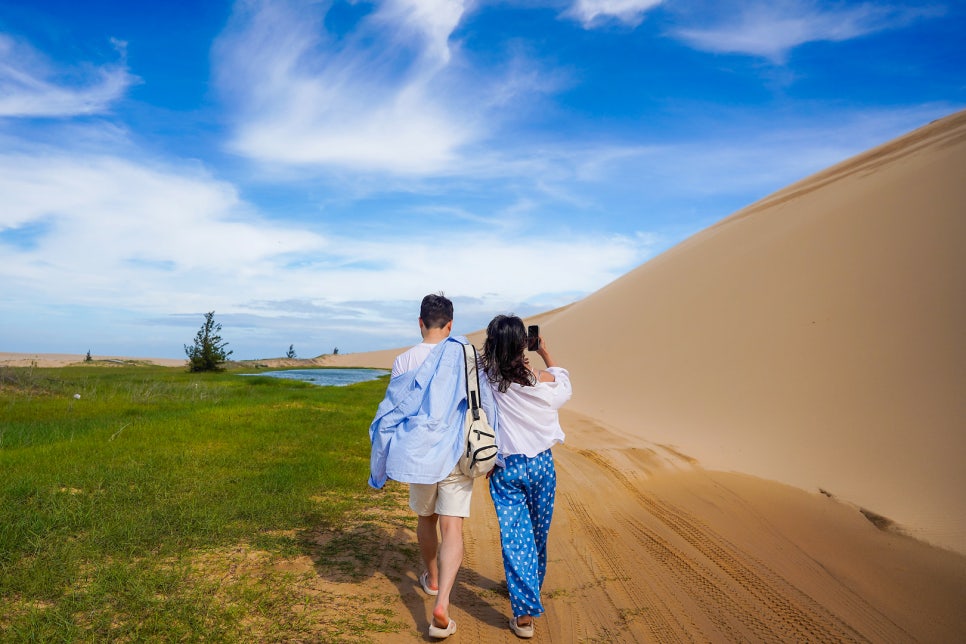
{"x": 450, "y": 560}
{"x": 429, "y": 546}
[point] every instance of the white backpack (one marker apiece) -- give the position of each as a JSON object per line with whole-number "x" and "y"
{"x": 479, "y": 455}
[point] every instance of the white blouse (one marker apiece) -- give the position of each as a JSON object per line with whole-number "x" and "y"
{"x": 529, "y": 423}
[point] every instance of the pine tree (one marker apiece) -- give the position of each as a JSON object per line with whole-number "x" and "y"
{"x": 291, "y": 352}
{"x": 208, "y": 352}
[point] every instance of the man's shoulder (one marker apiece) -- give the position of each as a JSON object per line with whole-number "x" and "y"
{"x": 411, "y": 358}
{"x": 416, "y": 350}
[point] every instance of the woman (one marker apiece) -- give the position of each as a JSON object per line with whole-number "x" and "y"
{"x": 524, "y": 482}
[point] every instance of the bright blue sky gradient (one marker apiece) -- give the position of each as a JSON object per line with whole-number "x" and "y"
{"x": 309, "y": 170}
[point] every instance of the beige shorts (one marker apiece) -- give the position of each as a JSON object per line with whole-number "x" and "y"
{"x": 451, "y": 496}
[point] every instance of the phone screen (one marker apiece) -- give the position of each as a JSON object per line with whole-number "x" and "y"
{"x": 533, "y": 337}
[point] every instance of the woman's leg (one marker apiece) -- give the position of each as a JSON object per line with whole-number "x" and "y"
{"x": 542, "y": 494}
{"x": 509, "y": 489}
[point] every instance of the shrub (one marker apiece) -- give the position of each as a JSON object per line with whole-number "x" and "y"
{"x": 208, "y": 352}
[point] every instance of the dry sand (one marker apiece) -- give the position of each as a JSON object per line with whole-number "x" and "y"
{"x": 8, "y": 359}
{"x": 813, "y": 340}
{"x": 648, "y": 547}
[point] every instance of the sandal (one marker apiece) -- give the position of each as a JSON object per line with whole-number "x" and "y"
{"x": 424, "y": 582}
{"x": 441, "y": 633}
{"x": 521, "y": 630}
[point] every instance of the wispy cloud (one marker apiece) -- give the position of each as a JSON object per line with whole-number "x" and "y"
{"x": 591, "y": 13}
{"x": 772, "y": 28}
{"x": 31, "y": 86}
{"x": 103, "y": 231}
{"x": 108, "y": 230}
{"x": 375, "y": 98}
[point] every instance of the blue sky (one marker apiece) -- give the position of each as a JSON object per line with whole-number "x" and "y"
{"x": 309, "y": 170}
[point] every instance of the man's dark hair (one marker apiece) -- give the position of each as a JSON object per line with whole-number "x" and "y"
{"x": 436, "y": 311}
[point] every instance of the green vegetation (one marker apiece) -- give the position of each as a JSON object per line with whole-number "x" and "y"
{"x": 208, "y": 353}
{"x": 149, "y": 503}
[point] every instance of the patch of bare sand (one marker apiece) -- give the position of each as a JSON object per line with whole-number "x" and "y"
{"x": 45, "y": 360}
{"x": 646, "y": 546}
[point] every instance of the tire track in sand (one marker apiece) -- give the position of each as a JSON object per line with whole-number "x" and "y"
{"x": 637, "y": 601}
{"x": 794, "y": 615}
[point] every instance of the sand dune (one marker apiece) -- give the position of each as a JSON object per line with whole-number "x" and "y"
{"x": 815, "y": 339}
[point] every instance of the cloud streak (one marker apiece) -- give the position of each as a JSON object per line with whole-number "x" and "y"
{"x": 377, "y": 98}
{"x": 103, "y": 231}
{"x": 771, "y": 29}
{"x": 101, "y": 225}
{"x": 591, "y": 13}
{"x": 30, "y": 86}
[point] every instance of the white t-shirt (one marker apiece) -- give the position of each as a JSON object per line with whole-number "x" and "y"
{"x": 411, "y": 359}
{"x": 529, "y": 423}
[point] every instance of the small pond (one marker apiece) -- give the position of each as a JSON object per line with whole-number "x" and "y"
{"x": 325, "y": 377}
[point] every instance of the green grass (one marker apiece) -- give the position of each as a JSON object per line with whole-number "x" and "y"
{"x": 158, "y": 503}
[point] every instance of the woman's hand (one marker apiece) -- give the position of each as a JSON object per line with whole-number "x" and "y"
{"x": 544, "y": 353}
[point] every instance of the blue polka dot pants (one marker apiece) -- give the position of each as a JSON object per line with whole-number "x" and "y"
{"x": 523, "y": 494}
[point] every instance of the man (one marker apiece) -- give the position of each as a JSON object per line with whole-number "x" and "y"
{"x": 417, "y": 438}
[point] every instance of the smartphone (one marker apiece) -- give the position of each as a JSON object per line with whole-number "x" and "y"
{"x": 533, "y": 337}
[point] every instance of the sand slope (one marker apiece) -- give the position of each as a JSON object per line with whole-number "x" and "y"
{"x": 814, "y": 338}
{"x": 817, "y": 337}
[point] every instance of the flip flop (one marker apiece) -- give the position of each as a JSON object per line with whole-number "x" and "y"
{"x": 526, "y": 632}
{"x": 424, "y": 582}
{"x": 440, "y": 633}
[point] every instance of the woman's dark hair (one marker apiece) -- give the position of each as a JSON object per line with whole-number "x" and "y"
{"x": 503, "y": 358}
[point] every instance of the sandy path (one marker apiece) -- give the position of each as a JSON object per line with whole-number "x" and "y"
{"x": 648, "y": 547}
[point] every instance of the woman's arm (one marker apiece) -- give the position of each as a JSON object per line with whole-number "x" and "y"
{"x": 543, "y": 352}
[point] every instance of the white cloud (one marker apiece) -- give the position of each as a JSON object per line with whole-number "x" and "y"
{"x": 593, "y": 12}
{"x": 377, "y": 98}
{"x": 770, "y": 29}
{"x": 32, "y": 87}
{"x": 110, "y": 232}
{"x": 107, "y": 230}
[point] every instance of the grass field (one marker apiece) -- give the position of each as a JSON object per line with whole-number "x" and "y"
{"x": 146, "y": 503}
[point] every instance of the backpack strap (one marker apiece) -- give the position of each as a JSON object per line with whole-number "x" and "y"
{"x": 472, "y": 380}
